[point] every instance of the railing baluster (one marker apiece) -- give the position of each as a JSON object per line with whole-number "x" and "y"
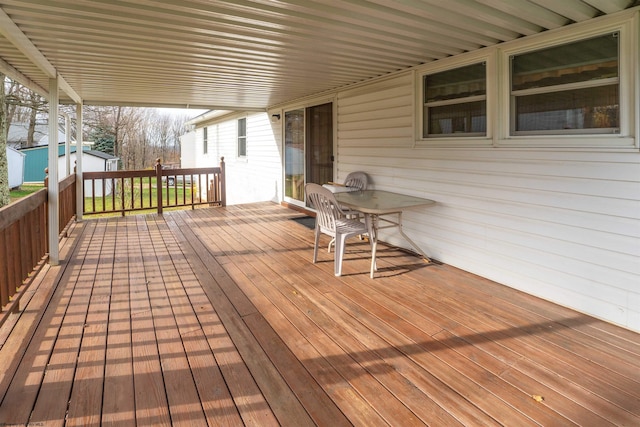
{"x": 141, "y": 190}
{"x": 104, "y": 194}
{"x": 148, "y": 181}
{"x": 93, "y": 195}
{"x": 24, "y": 240}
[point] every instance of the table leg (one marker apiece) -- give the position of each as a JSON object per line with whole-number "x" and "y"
{"x": 415, "y": 246}
{"x": 372, "y": 225}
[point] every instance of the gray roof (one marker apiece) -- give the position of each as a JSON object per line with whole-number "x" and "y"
{"x": 101, "y": 154}
{"x": 18, "y": 134}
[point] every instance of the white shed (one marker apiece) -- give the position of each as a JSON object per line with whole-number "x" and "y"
{"x": 92, "y": 161}
{"x": 15, "y": 160}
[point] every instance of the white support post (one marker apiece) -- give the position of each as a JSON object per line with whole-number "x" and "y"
{"x": 67, "y": 144}
{"x": 53, "y": 187}
{"x": 79, "y": 150}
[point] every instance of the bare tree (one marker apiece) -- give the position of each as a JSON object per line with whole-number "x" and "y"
{"x": 161, "y": 135}
{"x": 25, "y": 107}
{"x": 117, "y": 119}
{"x": 178, "y": 128}
{"x": 4, "y": 166}
{"x": 36, "y": 104}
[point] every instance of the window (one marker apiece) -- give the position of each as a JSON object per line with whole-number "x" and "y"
{"x": 242, "y": 137}
{"x": 455, "y": 102}
{"x": 572, "y": 88}
{"x": 205, "y": 142}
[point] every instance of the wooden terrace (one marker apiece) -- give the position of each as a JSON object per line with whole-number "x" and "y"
{"x": 217, "y": 316}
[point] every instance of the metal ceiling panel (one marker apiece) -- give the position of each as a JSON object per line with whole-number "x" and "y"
{"x": 252, "y": 54}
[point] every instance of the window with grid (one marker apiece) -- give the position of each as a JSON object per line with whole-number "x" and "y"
{"x": 572, "y": 88}
{"x": 242, "y": 137}
{"x": 455, "y": 102}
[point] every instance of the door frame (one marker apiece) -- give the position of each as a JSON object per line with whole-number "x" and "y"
{"x": 311, "y": 103}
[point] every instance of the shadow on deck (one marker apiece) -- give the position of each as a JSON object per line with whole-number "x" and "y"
{"x": 218, "y": 317}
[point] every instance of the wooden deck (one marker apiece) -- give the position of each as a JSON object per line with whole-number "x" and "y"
{"x": 218, "y": 317}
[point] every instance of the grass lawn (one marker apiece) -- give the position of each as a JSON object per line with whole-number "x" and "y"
{"x": 24, "y": 190}
{"x": 139, "y": 198}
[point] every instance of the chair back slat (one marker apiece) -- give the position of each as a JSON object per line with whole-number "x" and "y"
{"x": 357, "y": 180}
{"x": 325, "y": 204}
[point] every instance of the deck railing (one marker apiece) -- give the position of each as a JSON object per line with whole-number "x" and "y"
{"x": 24, "y": 240}
{"x": 66, "y": 203}
{"x": 158, "y": 188}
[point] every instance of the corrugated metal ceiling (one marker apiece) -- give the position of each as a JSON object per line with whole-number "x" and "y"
{"x": 251, "y": 54}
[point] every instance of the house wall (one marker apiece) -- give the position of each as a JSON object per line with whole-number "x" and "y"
{"x": 561, "y": 223}
{"x": 188, "y": 158}
{"x": 256, "y": 177}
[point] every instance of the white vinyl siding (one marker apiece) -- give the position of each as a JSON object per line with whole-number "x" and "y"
{"x": 253, "y": 178}
{"x": 564, "y": 226}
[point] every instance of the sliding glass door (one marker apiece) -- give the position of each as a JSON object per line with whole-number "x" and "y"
{"x": 294, "y": 155}
{"x": 319, "y": 146}
{"x": 308, "y": 149}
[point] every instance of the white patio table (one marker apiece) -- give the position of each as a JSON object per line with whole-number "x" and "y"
{"x": 378, "y": 203}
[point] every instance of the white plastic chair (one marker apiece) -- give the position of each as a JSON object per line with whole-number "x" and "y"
{"x": 357, "y": 180}
{"x": 332, "y": 221}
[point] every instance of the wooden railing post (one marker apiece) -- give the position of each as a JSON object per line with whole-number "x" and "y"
{"x": 223, "y": 191}
{"x": 159, "y": 184}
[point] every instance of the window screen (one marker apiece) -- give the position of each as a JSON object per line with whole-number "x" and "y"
{"x": 573, "y": 88}
{"x": 455, "y": 102}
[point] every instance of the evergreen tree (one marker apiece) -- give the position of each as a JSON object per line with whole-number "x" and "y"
{"x": 104, "y": 139}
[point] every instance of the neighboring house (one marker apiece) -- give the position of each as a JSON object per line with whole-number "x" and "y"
{"x": 15, "y": 160}
{"x": 18, "y": 134}
{"x": 529, "y": 148}
{"x": 44, "y": 139}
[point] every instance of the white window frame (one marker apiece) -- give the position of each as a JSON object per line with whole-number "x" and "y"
{"x": 205, "y": 141}
{"x": 625, "y": 138}
{"x": 487, "y": 56}
{"x": 239, "y": 138}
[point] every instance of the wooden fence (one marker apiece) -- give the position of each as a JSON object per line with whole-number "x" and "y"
{"x": 158, "y": 188}
{"x": 24, "y": 240}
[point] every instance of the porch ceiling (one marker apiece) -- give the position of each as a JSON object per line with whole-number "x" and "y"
{"x": 251, "y": 54}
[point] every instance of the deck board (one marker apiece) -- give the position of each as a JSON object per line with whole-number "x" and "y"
{"x": 217, "y": 316}
{"x": 119, "y": 410}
